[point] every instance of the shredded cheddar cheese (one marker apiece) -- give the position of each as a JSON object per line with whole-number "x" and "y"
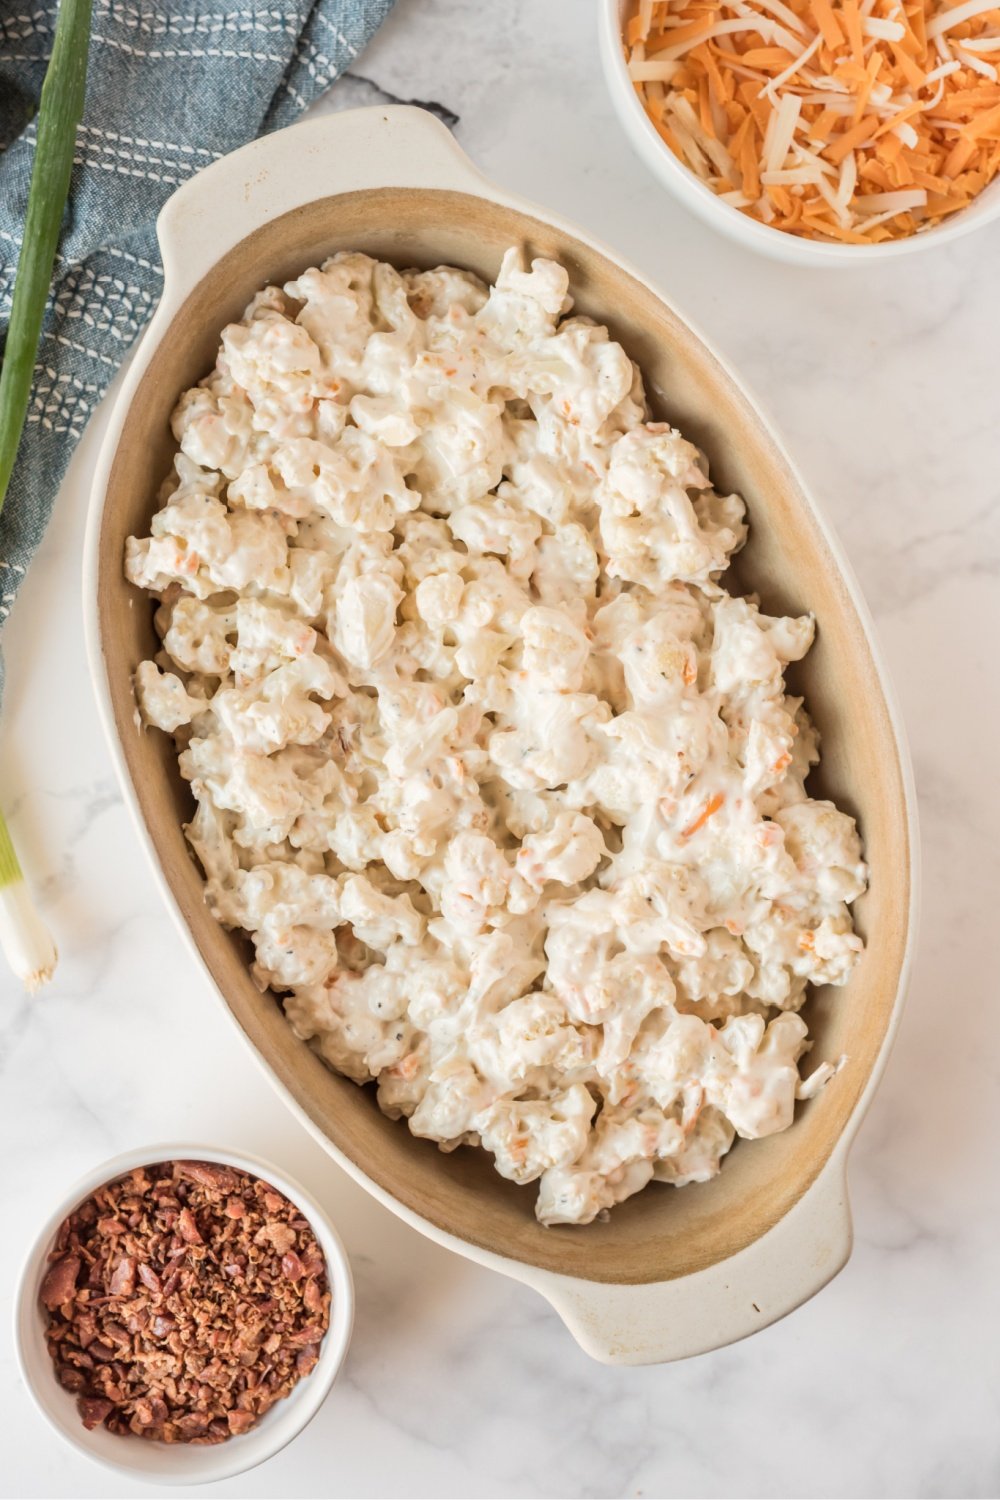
{"x": 842, "y": 120}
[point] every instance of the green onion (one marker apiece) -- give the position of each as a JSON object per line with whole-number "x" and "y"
{"x": 58, "y": 116}
{"x": 23, "y": 936}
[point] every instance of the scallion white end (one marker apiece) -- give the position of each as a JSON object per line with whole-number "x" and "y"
{"x": 25, "y": 939}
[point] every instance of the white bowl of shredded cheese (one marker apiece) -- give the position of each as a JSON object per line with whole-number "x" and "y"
{"x": 499, "y": 786}
{"x": 849, "y": 193}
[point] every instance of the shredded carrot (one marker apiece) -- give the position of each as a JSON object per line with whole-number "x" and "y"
{"x": 711, "y": 806}
{"x": 812, "y": 114}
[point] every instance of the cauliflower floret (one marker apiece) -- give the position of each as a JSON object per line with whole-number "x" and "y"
{"x": 163, "y": 699}
{"x": 455, "y": 1097}
{"x": 197, "y": 635}
{"x": 555, "y": 742}
{"x": 743, "y": 651}
{"x": 625, "y": 1147}
{"x": 310, "y": 574}
{"x": 639, "y": 987}
{"x": 444, "y": 292}
{"x": 403, "y": 1084}
{"x": 658, "y": 665}
{"x": 661, "y": 906}
{"x": 566, "y": 567}
{"x": 354, "y": 1022}
{"x": 582, "y": 371}
{"x": 758, "y": 1096}
{"x": 458, "y": 456}
{"x": 377, "y": 919}
{"x": 497, "y": 526}
{"x": 279, "y": 709}
{"x": 568, "y": 850}
{"x": 530, "y": 1033}
{"x": 595, "y": 983}
{"x": 356, "y": 481}
{"x": 336, "y": 307}
{"x": 438, "y": 598}
{"x": 712, "y": 983}
{"x": 524, "y": 304}
{"x": 384, "y": 419}
{"x": 365, "y": 618}
{"x": 528, "y": 1136}
{"x": 213, "y": 429}
{"x": 826, "y": 849}
{"x": 651, "y": 528}
{"x": 277, "y": 896}
{"x": 555, "y": 649}
{"x": 270, "y": 351}
{"x": 266, "y": 637}
{"x": 291, "y": 956}
{"x": 476, "y": 878}
{"x": 264, "y": 790}
{"x": 700, "y": 1157}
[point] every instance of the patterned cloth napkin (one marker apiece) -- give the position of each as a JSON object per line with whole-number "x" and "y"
{"x": 171, "y": 86}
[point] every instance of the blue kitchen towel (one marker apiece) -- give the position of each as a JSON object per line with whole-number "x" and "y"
{"x": 171, "y": 86}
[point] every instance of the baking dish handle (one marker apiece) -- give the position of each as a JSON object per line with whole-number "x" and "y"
{"x": 668, "y": 1320}
{"x": 350, "y": 151}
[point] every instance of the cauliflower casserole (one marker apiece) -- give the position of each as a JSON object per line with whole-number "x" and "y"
{"x": 503, "y": 784}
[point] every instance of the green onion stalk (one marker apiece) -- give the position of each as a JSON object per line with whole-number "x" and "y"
{"x": 23, "y": 935}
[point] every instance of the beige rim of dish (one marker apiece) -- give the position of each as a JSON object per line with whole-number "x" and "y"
{"x": 672, "y": 1273}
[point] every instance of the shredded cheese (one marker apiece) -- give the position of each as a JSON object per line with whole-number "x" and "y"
{"x": 847, "y": 120}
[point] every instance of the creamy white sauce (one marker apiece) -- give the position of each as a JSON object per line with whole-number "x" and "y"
{"x": 505, "y": 787}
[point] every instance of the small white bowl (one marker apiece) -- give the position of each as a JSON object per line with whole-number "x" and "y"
{"x": 182, "y": 1463}
{"x": 752, "y": 233}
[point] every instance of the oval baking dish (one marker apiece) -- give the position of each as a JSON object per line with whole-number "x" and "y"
{"x": 672, "y": 1273}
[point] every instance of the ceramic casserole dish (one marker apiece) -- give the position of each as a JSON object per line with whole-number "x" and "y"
{"x": 672, "y": 1273}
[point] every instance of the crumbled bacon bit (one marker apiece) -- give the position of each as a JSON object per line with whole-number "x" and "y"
{"x": 187, "y": 1228}
{"x": 281, "y": 1236}
{"x": 149, "y": 1278}
{"x": 60, "y": 1282}
{"x": 93, "y": 1411}
{"x": 184, "y": 1299}
{"x": 210, "y": 1175}
{"x": 123, "y": 1278}
{"x": 292, "y": 1267}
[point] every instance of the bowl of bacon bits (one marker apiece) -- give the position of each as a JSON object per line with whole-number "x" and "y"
{"x": 815, "y": 130}
{"x": 183, "y": 1314}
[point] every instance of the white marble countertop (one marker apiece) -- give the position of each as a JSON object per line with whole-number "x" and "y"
{"x": 459, "y": 1383}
